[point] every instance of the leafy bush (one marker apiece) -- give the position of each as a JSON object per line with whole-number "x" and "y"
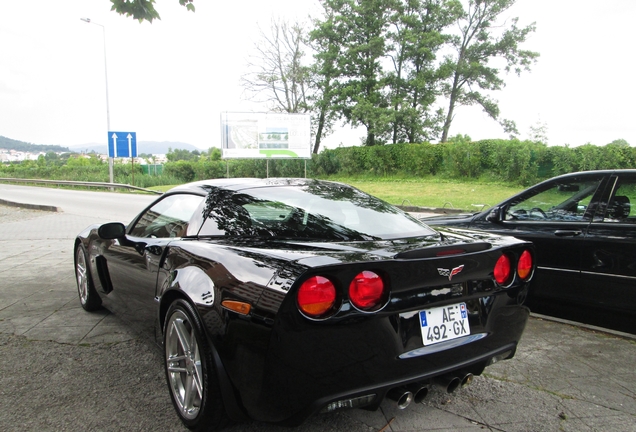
{"x": 512, "y": 161}
{"x": 183, "y": 170}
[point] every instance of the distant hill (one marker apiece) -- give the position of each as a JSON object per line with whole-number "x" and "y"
{"x": 149, "y": 147}
{"x": 11, "y": 144}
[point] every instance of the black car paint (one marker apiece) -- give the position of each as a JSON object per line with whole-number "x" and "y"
{"x": 591, "y": 263}
{"x": 297, "y": 365}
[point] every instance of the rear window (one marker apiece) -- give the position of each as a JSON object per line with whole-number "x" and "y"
{"x": 318, "y": 211}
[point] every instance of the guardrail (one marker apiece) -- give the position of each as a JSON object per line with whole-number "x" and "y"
{"x": 79, "y": 183}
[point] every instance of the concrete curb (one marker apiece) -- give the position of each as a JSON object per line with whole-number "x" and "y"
{"x": 585, "y": 326}
{"x": 31, "y": 206}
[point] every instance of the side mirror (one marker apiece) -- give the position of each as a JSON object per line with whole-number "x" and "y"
{"x": 112, "y": 230}
{"x": 495, "y": 215}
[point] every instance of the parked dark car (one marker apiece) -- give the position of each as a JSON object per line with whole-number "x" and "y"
{"x": 279, "y": 299}
{"x": 584, "y": 229}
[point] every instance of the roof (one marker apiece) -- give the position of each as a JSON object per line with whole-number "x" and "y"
{"x": 243, "y": 183}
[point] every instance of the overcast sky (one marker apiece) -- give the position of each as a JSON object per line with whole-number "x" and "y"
{"x": 170, "y": 80}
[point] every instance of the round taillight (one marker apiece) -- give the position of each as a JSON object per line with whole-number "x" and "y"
{"x": 524, "y": 266}
{"x": 316, "y": 296}
{"x": 367, "y": 291}
{"x": 503, "y": 270}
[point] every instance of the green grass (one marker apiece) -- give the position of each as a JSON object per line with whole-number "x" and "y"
{"x": 435, "y": 192}
{"x": 163, "y": 188}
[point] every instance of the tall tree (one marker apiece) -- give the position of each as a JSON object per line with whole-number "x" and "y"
{"x": 477, "y": 44}
{"x": 276, "y": 72}
{"x": 415, "y": 37}
{"x": 324, "y": 41}
{"x": 360, "y": 95}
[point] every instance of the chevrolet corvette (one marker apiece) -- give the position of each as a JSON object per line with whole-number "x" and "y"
{"x": 279, "y": 299}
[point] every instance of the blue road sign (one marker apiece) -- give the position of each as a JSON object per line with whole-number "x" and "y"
{"x": 122, "y": 144}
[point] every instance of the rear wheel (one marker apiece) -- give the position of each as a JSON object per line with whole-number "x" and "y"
{"x": 89, "y": 298}
{"x": 190, "y": 370}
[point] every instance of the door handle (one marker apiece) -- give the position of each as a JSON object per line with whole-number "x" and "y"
{"x": 567, "y": 233}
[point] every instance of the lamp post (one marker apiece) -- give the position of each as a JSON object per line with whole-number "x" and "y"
{"x": 110, "y": 159}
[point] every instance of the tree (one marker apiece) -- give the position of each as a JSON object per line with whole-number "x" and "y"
{"x": 359, "y": 94}
{"x": 415, "y": 37}
{"x": 538, "y": 132}
{"x": 280, "y": 77}
{"x": 276, "y": 71}
{"x": 143, "y": 10}
{"x": 324, "y": 40}
{"x": 475, "y": 46}
{"x": 181, "y": 154}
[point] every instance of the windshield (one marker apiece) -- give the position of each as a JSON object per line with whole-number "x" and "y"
{"x": 313, "y": 210}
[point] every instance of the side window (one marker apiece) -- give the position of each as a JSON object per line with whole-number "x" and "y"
{"x": 167, "y": 218}
{"x": 620, "y": 208}
{"x": 561, "y": 201}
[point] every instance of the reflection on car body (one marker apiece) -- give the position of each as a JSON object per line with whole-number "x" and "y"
{"x": 279, "y": 299}
{"x": 583, "y": 226}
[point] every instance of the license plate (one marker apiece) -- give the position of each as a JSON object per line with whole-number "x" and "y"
{"x": 444, "y": 323}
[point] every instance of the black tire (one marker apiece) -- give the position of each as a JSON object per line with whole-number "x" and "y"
{"x": 190, "y": 372}
{"x": 89, "y": 299}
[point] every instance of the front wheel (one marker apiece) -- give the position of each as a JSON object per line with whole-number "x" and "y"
{"x": 89, "y": 298}
{"x": 190, "y": 371}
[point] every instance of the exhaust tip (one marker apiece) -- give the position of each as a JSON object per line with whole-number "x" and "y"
{"x": 420, "y": 395}
{"x": 453, "y": 385}
{"x": 467, "y": 380}
{"x": 401, "y": 396}
{"x": 448, "y": 382}
{"x": 405, "y": 400}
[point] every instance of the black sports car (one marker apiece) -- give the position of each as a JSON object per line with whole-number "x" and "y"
{"x": 584, "y": 230}
{"x": 278, "y": 299}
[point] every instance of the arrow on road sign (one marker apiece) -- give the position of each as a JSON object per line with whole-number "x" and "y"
{"x": 122, "y": 144}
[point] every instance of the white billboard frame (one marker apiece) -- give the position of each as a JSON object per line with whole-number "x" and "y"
{"x": 262, "y": 135}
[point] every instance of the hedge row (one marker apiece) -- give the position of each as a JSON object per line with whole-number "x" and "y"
{"x": 512, "y": 161}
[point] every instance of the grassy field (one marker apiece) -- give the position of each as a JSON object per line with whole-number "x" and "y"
{"x": 429, "y": 192}
{"x": 437, "y": 193}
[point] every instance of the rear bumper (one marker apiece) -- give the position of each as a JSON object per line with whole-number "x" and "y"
{"x": 309, "y": 365}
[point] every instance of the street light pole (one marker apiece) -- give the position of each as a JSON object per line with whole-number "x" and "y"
{"x": 110, "y": 159}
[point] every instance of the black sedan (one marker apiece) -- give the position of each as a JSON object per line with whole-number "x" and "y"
{"x": 584, "y": 230}
{"x": 279, "y": 299}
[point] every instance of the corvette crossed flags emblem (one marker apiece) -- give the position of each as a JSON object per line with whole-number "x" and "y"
{"x": 450, "y": 273}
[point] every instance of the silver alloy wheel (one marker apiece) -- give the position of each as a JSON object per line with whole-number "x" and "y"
{"x": 185, "y": 374}
{"x": 81, "y": 273}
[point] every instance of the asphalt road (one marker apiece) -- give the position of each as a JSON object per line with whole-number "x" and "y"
{"x": 98, "y": 206}
{"x": 65, "y": 369}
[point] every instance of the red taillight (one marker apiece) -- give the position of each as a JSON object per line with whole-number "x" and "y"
{"x": 367, "y": 291}
{"x": 503, "y": 270}
{"x": 316, "y": 296}
{"x": 524, "y": 266}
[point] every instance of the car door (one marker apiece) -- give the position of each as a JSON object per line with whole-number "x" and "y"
{"x": 609, "y": 254}
{"x": 555, "y": 216}
{"x": 134, "y": 261}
